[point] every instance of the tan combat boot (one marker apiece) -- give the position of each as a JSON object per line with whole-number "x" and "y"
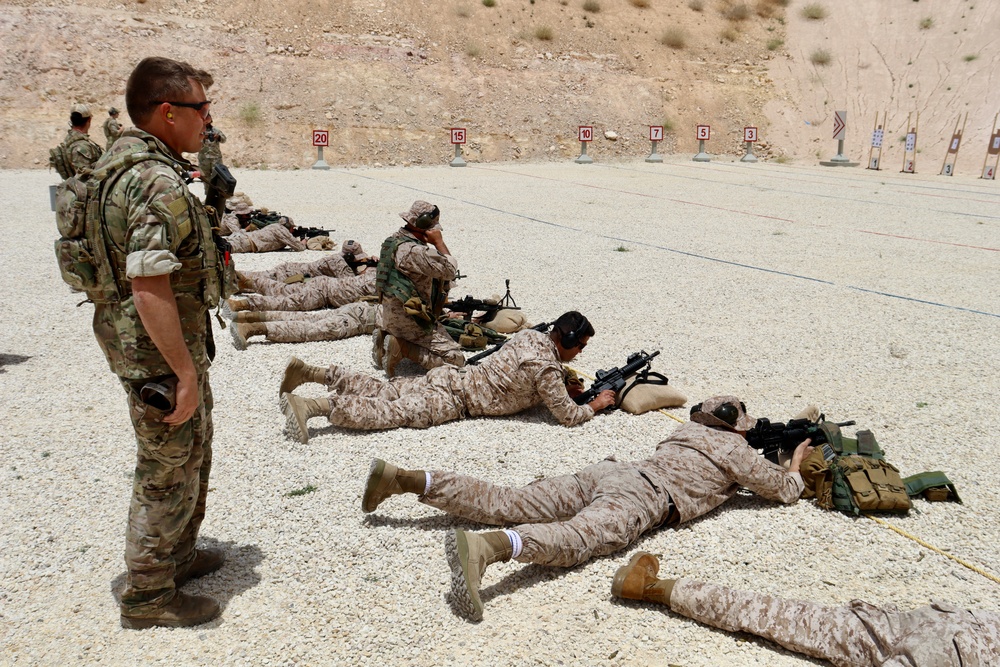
{"x": 385, "y": 479}
{"x": 392, "y": 354}
{"x": 298, "y": 372}
{"x": 205, "y": 562}
{"x": 637, "y": 580}
{"x": 243, "y": 283}
{"x": 232, "y": 305}
{"x": 469, "y": 554}
{"x": 299, "y": 410}
{"x": 242, "y": 331}
{"x": 183, "y": 611}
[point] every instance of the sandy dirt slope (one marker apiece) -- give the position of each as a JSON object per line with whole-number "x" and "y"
{"x": 389, "y": 78}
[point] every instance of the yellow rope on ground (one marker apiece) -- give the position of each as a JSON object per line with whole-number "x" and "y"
{"x": 922, "y": 543}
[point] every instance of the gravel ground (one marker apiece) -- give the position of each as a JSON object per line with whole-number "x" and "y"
{"x": 870, "y": 294}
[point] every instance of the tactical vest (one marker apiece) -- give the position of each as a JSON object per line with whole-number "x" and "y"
{"x": 92, "y": 262}
{"x": 852, "y": 475}
{"x": 390, "y": 281}
{"x": 59, "y": 157}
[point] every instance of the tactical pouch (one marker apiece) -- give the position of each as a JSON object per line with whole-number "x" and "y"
{"x": 297, "y": 278}
{"x": 473, "y": 338}
{"x": 161, "y": 395}
{"x": 76, "y": 264}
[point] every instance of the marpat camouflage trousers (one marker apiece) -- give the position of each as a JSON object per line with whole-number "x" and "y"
{"x": 855, "y": 635}
{"x": 353, "y": 319}
{"x": 563, "y": 521}
{"x": 363, "y": 402}
{"x": 168, "y": 498}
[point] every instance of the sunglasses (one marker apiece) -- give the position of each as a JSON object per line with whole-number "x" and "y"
{"x": 197, "y": 106}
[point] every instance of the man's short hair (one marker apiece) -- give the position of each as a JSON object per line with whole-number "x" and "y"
{"x": 159, "y": 79}
{"x": 572, "y": 327}
{"x": 76, "y": 119}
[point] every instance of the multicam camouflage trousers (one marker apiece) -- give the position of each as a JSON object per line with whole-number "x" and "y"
{"x": 354, "y": 319}
{"x": 563, "y": 521}
{"x": 168, "y": 498}
{"x": 854, "y": 635}
{"x": 363, "y": 402}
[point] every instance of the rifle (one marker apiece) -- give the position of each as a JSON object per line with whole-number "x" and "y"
{"x": 615, "y": 378}
{"x": 355, "y": 263}
{"x": 773, "y": 437}
{"x": 311, "y": 232}
{"x": 475, "y": 359}
{"x": 218, "y": 188}
{"x": 490, "y": 307}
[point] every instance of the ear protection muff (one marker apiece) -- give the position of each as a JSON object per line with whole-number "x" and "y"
{"x": 727, "y": 412}
{"x": 572, "y": 339}
{"x": 426, "y": 220}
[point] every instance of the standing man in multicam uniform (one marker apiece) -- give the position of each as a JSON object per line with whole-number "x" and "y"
{"x": 78, "y": 146}
{"x": 158, "y": 340}
{"x": 415, "y": 271}
{"x": 525, "y": 371}
{"x": 112, "y": 128}
{"x": 211, "y": 152}
{"x": 856, "y": 635}
{"x": 567, "y": 520}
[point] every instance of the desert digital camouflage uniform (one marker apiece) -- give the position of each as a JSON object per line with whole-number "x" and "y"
{"x": 315, "y": 294}
{"x": 332, "y": 265}
{"x": 422, "y": 264}
{"x": 81, "y": 149}
{"x": 856, "y": 635}
{"x": 112, "y": 130}
{"x": 229, "y": 224}
{"x": 210, "y": 154}
{"x": 163, "y": 230}
{"x": 269, "y": 239}
{"x": 524, "y": 372}
{"x": 353, "y": 319}
{"x": 567, "y": 520}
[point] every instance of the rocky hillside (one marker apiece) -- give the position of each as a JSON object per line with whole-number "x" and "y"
{"x": 389, "y": 78}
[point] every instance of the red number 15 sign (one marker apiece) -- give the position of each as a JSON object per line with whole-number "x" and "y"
{"x": 458, "y": 135}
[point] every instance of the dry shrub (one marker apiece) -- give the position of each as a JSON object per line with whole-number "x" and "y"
{"x": 775, "y": 43}
{"x": 925, "y": 24}
{"x": 641, "y": 4}
{"x": 592, "y": 6}
{"x": 737, "y": 12}
{"x": 767, "y": 10}
{"x": 697, "y": 5}
{"x": 544, "y": 33}
{"x": 462, "y": 12}
{"x": 489, "y": 3}
{"x": 820, "y": 57}
{"x": 729, "y": 33}
{"x": 674, "y": 37}
{"x": 814, "y": 12}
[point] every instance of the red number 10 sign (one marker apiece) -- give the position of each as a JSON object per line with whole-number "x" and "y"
{"x": 586, "y": 133}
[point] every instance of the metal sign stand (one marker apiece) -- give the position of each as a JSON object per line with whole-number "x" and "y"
{"x": 878, "y": 137}
{"x": 948, "y": 168}
{"x": 990, "y": 171}
{"x": 655, "y": 136}
{"x": 702, "y": 133}
{"x": 321, "y": 138}
{"x": 910, "y": 147}
{"x": 586, "y": 135}
{"x": 749, "y": 136}
{"x": 458, "y": 138}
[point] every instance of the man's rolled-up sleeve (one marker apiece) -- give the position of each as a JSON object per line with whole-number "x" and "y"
{"x": 157, "y": 227}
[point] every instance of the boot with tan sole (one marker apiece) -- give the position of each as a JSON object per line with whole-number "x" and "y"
{"x": 233, "y": 305}
{"x": 241, "y": 333}
{"x": 205, "y": 562}
{"x": 248, "y": 316}
{"x": 637, "y": 580}
{"x": 297, "y": 373}
{"x": 385, "y": 479}
{"x": 469, "y": 554}
{"x": 392, "y": 354}
{"x": 181, "y": 612}
{"x": 299, "y": 410}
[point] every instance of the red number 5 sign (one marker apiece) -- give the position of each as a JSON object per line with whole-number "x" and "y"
{"x": 586, "y": 133}
{"x": 458, "y": 135}
{"x": 703, "y": 132}
{"x": 749, "y": 134}
{"x": 321, "y": 138}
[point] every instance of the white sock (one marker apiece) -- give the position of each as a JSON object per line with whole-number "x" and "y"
{"x": 427, "y": 483}
{"x": 516, "y": 543}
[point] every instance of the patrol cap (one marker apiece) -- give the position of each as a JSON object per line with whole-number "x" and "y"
{"x": 352, "y": 247}
{"x": 725, "y": 411}
{"x": 113, "y": 111}
{"x": 421, "y": 215}
{"x": 81, "y": 109}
